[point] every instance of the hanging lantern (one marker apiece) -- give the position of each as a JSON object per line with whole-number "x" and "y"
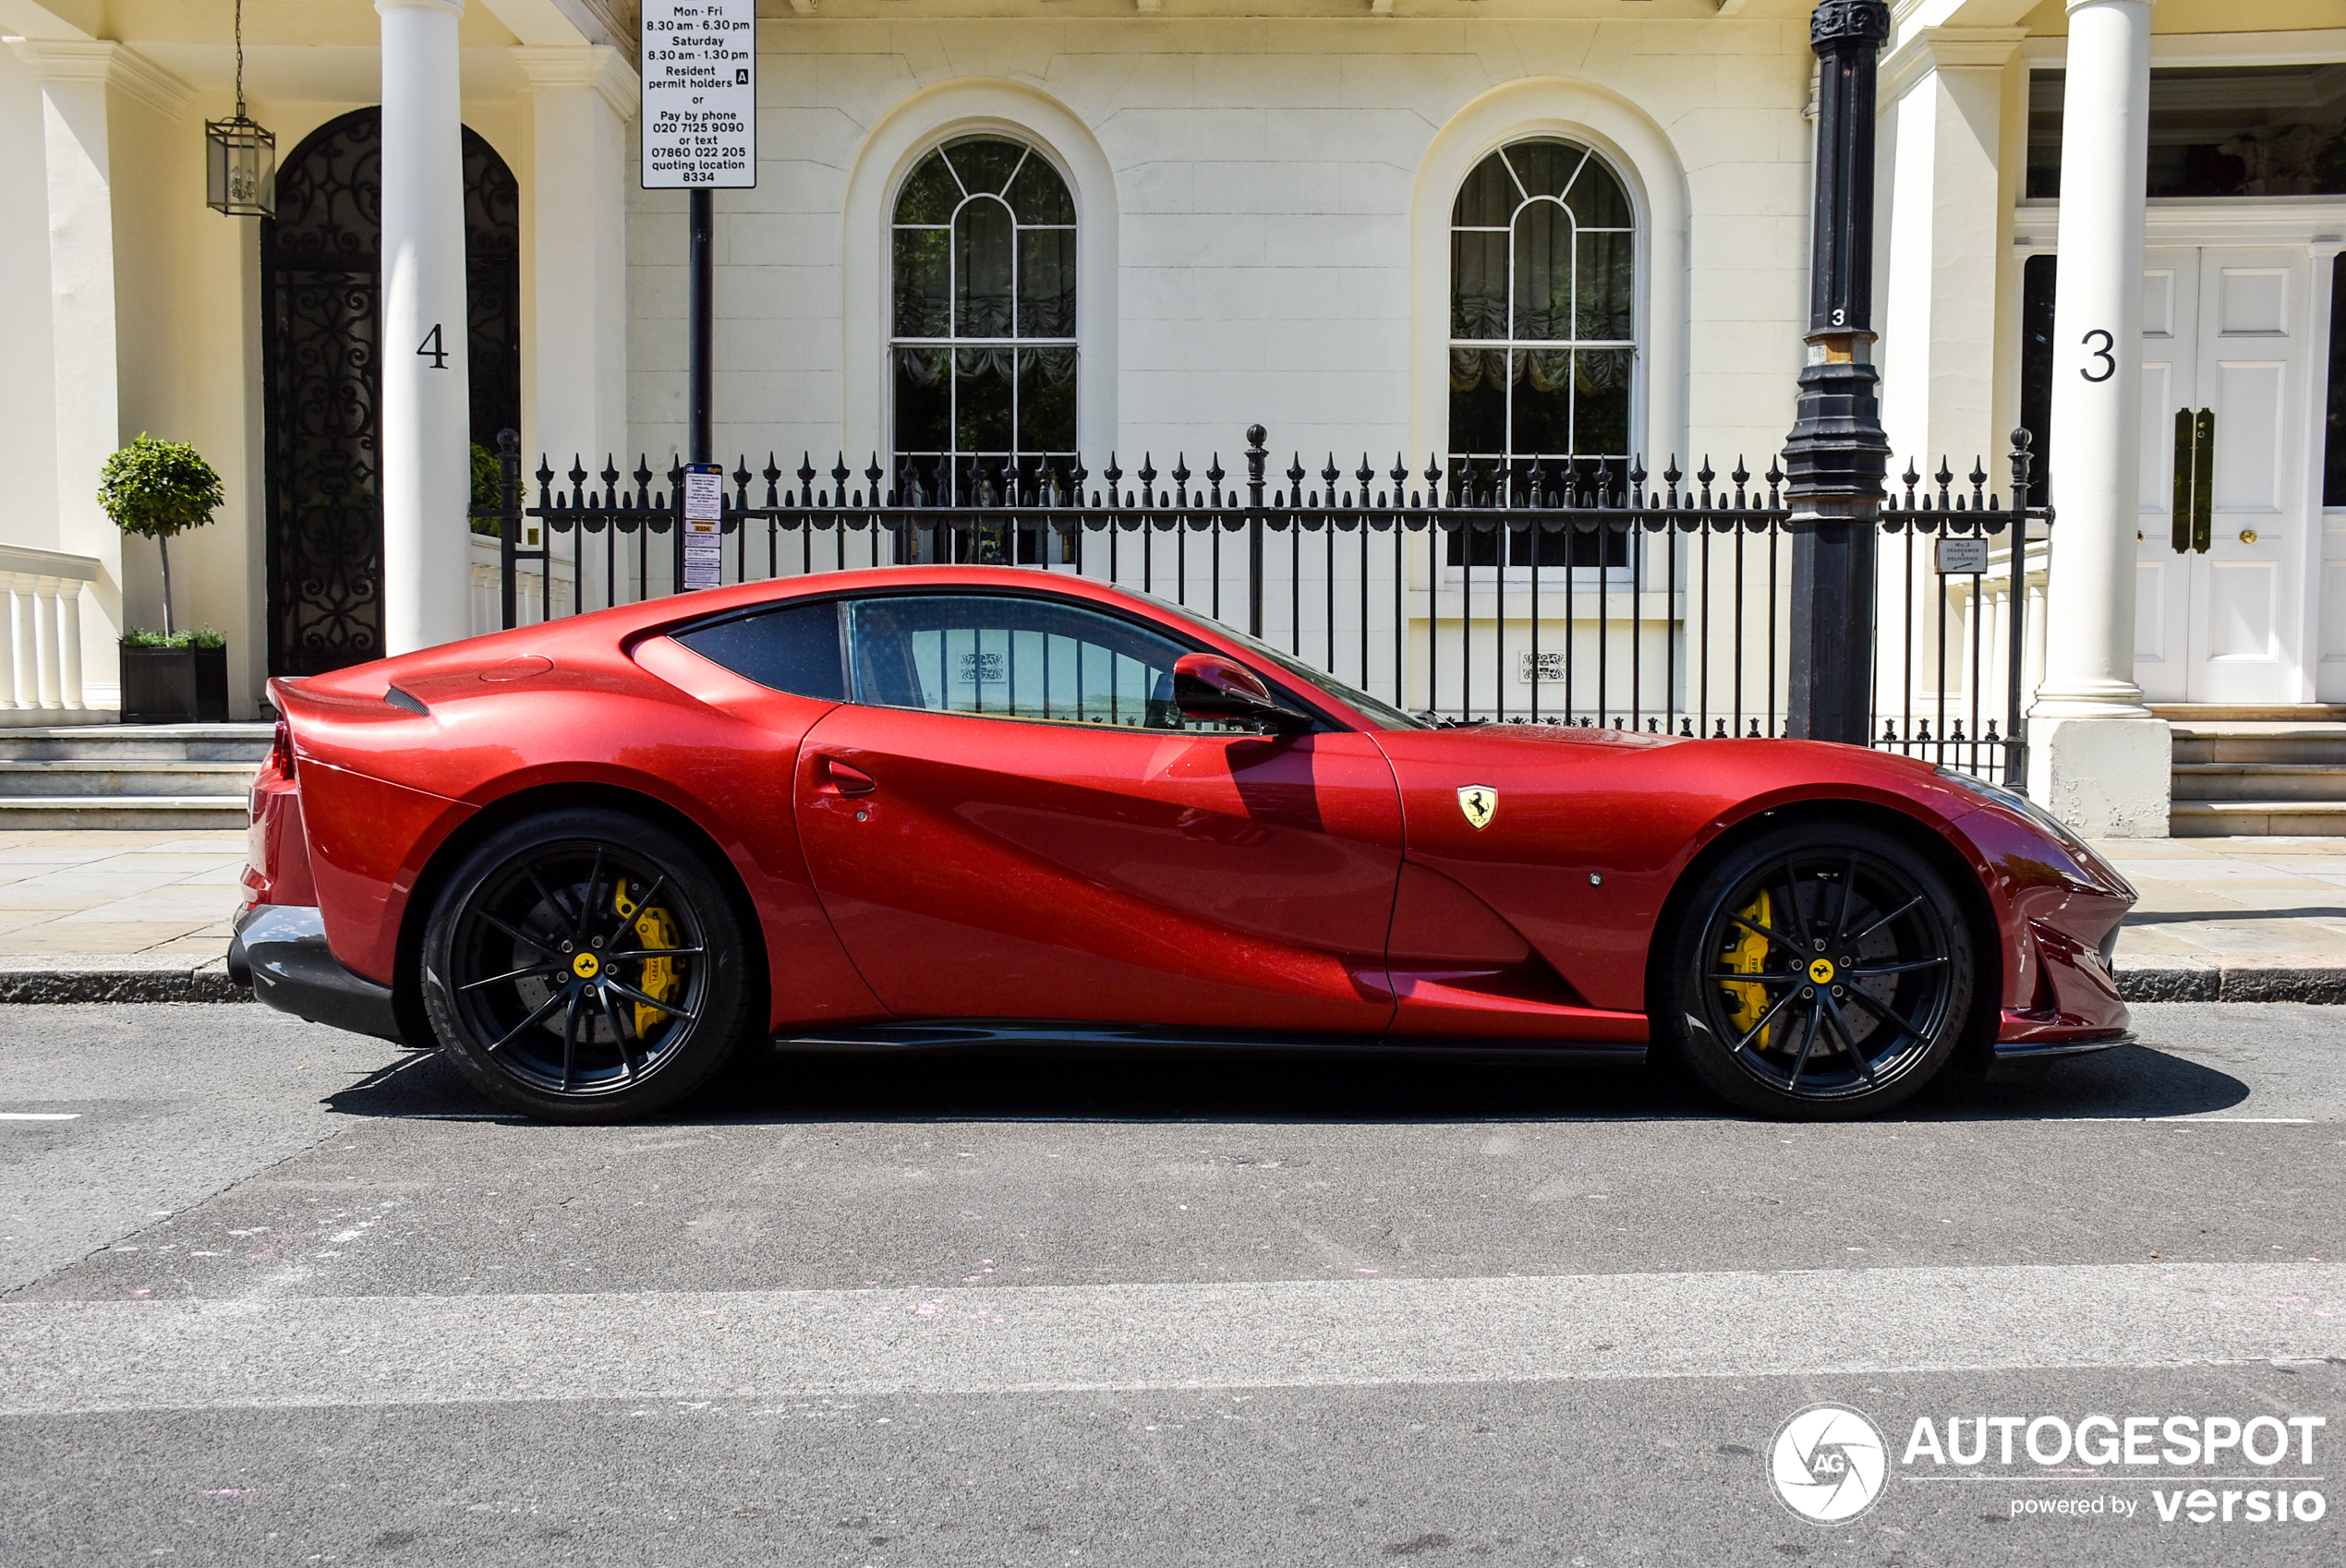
{"x": 240, "y": 158}
{"x": 243, "y": 159}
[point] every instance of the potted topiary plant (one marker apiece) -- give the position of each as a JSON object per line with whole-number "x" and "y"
{"x": 488, "y": 491}
{"x": 155, "y": 489}
{"x": 174, "y": 677}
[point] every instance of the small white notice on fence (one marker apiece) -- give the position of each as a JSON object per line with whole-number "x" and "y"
{"x": 1959, "y": 558}
{"x": 700, "y": 94}
{"x": 704, "y": 526}
{"x": 1545, "y": 666}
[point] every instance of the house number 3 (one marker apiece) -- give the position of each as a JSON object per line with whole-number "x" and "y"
{"x": 2109, "y": 361}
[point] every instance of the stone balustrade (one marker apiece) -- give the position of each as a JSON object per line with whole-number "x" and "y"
{"x": 41, "y": 635}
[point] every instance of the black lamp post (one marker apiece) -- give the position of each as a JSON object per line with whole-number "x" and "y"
{"x": 1837, "y": 453}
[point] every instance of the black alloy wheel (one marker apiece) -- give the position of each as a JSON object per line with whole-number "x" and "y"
{"x": 1820, "y": 972}
{"x": 585, "y": 966}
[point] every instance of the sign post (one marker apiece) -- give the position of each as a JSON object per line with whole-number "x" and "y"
{"x": 699, "y": 123}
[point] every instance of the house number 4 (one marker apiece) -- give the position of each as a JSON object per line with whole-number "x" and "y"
{"x": 2109, "y": 361}
{"x": 431, "y": 349}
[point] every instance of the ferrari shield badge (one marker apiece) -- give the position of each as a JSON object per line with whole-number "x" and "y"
{"x": 1477, "y": 802}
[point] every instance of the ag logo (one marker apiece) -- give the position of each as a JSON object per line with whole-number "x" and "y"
{"x": 1828, "y": 1464}
{"x": 1477, "y": 802}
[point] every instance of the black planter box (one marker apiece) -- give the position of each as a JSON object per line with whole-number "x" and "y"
{"x": 175, "y": 685}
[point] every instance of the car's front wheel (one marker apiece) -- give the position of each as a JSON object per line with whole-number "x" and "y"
{"x": 585, "y": 966}
{"x": 1817, "y": 972}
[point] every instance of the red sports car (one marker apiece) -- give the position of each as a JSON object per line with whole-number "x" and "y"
{"x": 925, "y": 807}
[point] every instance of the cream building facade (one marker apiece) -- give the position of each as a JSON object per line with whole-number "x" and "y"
{"x": 1258, "y": 218}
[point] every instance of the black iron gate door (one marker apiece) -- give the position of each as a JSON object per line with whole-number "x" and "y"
{"x": 320, "y": 267}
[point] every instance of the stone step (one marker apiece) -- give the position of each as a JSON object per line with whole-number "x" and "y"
{"x": 2259, "y": 782}
{"x": 170, "y": 813}
{"x": 2223, "y": 713}
{"x": 2212, "y": 819}
{"x": 139, "y": 742}
{"x": 83, "y": 779}
{"x": 2260, "y": 742}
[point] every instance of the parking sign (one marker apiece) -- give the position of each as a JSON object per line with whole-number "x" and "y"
{"x": 700, "y": 94}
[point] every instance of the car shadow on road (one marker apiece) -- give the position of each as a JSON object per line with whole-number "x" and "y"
{"x": 1319, "y": 1086}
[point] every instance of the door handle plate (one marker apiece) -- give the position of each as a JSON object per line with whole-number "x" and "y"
{"x": 2179, "y": 507}
{"x": 2203, "y": 488}
{"x": 2191, "y": 515}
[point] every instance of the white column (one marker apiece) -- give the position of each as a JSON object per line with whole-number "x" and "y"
{"x": 1944, "y": 228}
{"x": 1943, "y": 243}
{"x": 2097, "y": 757}
{"x": 426, "y": 415}
{"x": 581, "y": 159}
{"x": 79, "y": 81}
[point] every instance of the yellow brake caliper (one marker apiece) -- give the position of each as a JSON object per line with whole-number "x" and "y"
{"x": 1748, "y": 955}
{"x": 654, "y": 927}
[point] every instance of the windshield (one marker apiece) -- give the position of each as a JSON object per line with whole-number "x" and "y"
{"x": 1384, "y": 715}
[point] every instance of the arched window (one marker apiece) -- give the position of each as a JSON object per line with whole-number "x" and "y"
{"x": 982, "y": 334}
{"x": 1543, "y": 352}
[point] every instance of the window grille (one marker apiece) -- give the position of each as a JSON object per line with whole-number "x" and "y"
{"x": 982, "y": 344}
{"x": 1543, "y": 351}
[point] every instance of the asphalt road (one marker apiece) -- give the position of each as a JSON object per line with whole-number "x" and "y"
{"x": 272, "y": 1295}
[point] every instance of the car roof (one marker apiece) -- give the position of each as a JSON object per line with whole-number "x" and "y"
{"x": 620, "y": 627}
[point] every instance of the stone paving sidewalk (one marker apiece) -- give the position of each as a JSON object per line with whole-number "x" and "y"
{"x": 130, "y": 915}
{"x": 2249, "y": 919}
{"x": 118, "y": 916}
{"x": 117, "y": 892}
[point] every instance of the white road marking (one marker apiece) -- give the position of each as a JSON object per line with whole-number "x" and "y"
{"x": 39, "y": 1115}
{"x": 61, "y": 1357}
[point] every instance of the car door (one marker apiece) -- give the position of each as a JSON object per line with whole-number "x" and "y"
{"x": 1009, "y": 819}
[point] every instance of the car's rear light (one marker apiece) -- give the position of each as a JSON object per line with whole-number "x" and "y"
{"x": 280, "y": 752}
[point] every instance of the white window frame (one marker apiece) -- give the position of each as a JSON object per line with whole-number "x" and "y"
{"x": 893, "y": 148}
{"x": 955, "y": 342}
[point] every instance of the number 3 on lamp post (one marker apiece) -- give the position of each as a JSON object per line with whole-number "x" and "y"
{"x": 431, "y": 349}
{"x": 2109, "y": 360}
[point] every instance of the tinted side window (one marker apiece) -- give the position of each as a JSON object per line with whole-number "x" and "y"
{"x": 1014, "y": 657}
{"x": 794, "y": 649}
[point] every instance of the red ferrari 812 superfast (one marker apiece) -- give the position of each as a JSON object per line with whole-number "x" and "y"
{"x": 935, "y": 807}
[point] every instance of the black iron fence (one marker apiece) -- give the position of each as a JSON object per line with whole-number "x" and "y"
{"x": 1583, "y": 592}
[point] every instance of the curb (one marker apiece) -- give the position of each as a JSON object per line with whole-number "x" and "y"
{"x": 2226, "y": 979}
{"x": 127, "y": 980}
{"x": 118, "y": 978}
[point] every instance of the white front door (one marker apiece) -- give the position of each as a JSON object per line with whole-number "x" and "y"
{"x": 2228, "y": 329}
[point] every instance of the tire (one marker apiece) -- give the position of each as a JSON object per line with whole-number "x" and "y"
{"x": 586, "y": 966}
{"x": 1757, "y": 999}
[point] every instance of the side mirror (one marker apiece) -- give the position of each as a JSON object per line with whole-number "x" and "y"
{"x": 1211, "y": 687}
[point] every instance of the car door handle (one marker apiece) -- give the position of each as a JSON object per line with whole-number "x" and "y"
{"x": 848, "y": 780}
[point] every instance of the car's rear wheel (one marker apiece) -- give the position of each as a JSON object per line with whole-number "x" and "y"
{"x": 585, "y": 966}
{"x": 1817, "y": 972}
